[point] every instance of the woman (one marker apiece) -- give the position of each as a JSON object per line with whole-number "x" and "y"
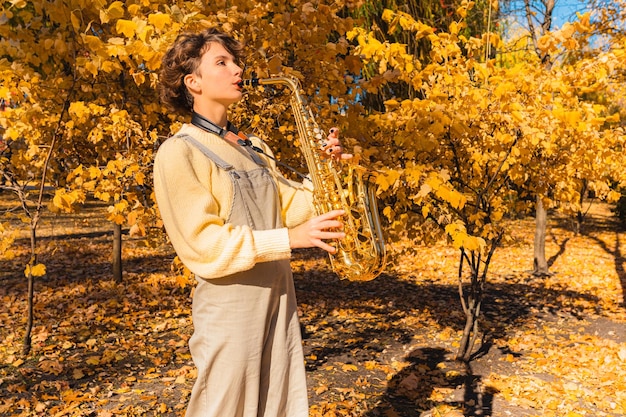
{"x": 233, "y": 221}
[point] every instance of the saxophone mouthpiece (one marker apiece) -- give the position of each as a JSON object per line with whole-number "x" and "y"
{"x": 253, "y": 82}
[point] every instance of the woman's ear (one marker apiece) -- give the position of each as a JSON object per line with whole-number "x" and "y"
{"x": 192, "y": 84}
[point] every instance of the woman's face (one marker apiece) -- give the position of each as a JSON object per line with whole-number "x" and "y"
{"x": 217, "y": 78}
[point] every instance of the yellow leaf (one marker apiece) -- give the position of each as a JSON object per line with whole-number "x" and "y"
{"x": 134, "y": 9}
{"x": 391, "y": 103}
{"x": 38, "y": 270}
{"x": 94, "y": 360}
{"x": 454, "y": 28}
{"x": 388, "y": 179}
{"x": 159, "y": 20}
{"x": 94, "y": 172}
{"x": 12, "y": 133}
{"x": 347, "y": 367}
{"x": 115, "y": 11}
{"x": 126, "y": 27}
{"x": 92, "y": 42}
{"x": 60, "y": 46}
{"x": 182, "y": 281}
{"x": 321, "y": 389}
{"x": 75, "y": 21}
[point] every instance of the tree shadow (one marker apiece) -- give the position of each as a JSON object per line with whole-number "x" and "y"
{"x": 356, "y": 322}
{"x": 619, "y": 260}
{"x": 594, "y": 225}
{"x": 372, "y": 315}
{"x": 561, "y": 251}
{"x": 431, "y": 380}
{"x": 603, "y": 224}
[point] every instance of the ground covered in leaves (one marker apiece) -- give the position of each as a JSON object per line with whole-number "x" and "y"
{"x": 553, "y": 346}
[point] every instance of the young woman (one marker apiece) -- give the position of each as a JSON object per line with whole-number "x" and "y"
{"x": 233, "y": 220}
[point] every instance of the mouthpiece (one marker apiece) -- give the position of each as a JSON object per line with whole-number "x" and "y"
{"x": 253, "y": 82}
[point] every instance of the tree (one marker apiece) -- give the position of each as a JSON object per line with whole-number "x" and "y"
{"x": 483, "y": 138}
{"x": 85, "y": 119}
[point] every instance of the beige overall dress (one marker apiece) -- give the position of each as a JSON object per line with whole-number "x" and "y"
{"x": 246, "y": 342}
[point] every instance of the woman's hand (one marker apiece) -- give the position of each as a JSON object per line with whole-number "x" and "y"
{"x": 333, "y": 147}
{"x": 313, "y": 232}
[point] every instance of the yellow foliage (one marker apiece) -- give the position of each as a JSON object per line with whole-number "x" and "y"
{"x": 37, "y": 270}
{"x": 159, "y": 20}
{"x": 454, "y": 132}
{"x": 125, "y": 27}
{"x": 386, "y": 180}
{"x": 114, "y": 11}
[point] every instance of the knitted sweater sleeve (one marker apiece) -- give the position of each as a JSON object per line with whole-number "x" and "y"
{"x": 207, "y": 245}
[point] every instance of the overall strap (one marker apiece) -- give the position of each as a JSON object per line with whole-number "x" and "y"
{"x": 231, "y": 134}
{"x": 206, "y": 151}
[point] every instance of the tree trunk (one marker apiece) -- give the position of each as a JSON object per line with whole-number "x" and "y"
{"x": 471, "y": 301}
{"x": 117, "y": 252}
{"x": 540, "y": 264}
{"x": 580, "y": 216}
{"x": 26, "y": 345}
{"x": 471, "y": 330}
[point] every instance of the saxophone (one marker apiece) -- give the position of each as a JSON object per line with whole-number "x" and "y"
{"x": 360, "y": 256}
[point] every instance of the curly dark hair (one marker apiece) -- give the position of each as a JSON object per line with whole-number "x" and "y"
{"x": 183, "y": 58}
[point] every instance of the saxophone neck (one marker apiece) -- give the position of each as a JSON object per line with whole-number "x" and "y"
{"x": 289, "y": 82}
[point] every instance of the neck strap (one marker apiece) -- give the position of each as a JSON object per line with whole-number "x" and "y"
{"x": 205, "y": 124}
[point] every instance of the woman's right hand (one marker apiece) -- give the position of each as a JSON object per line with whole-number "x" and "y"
{"x": 315, "y": 231}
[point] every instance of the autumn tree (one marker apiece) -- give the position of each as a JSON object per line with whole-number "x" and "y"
{"x": 84, "y": 119}
{"x": 483, "y": 138}
{"x": 560, "y": 49}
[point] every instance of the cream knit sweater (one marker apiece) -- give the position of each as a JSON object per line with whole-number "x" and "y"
{"x": 194, "y": 197}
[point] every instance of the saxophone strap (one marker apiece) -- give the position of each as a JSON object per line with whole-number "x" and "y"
{"x": 234, "y": 135}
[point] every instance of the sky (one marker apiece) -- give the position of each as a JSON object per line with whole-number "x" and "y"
{"x": 565, "y": 11}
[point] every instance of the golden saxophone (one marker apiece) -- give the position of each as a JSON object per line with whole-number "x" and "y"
{"x": 360, "y": 256}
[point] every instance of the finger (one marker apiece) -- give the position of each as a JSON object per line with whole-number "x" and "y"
{"x": 333, "y": 235}
{"x": 333, "y": 214}
{"x": 346, "y": 156}
{"x": 326, "y": 225}
{"x": 330, "y": 143}
{"x": 326, "y": 247}
{"x": 333, "y": 132}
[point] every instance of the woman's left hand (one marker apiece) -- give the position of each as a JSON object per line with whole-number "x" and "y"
{"x": 332, "y": 146}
